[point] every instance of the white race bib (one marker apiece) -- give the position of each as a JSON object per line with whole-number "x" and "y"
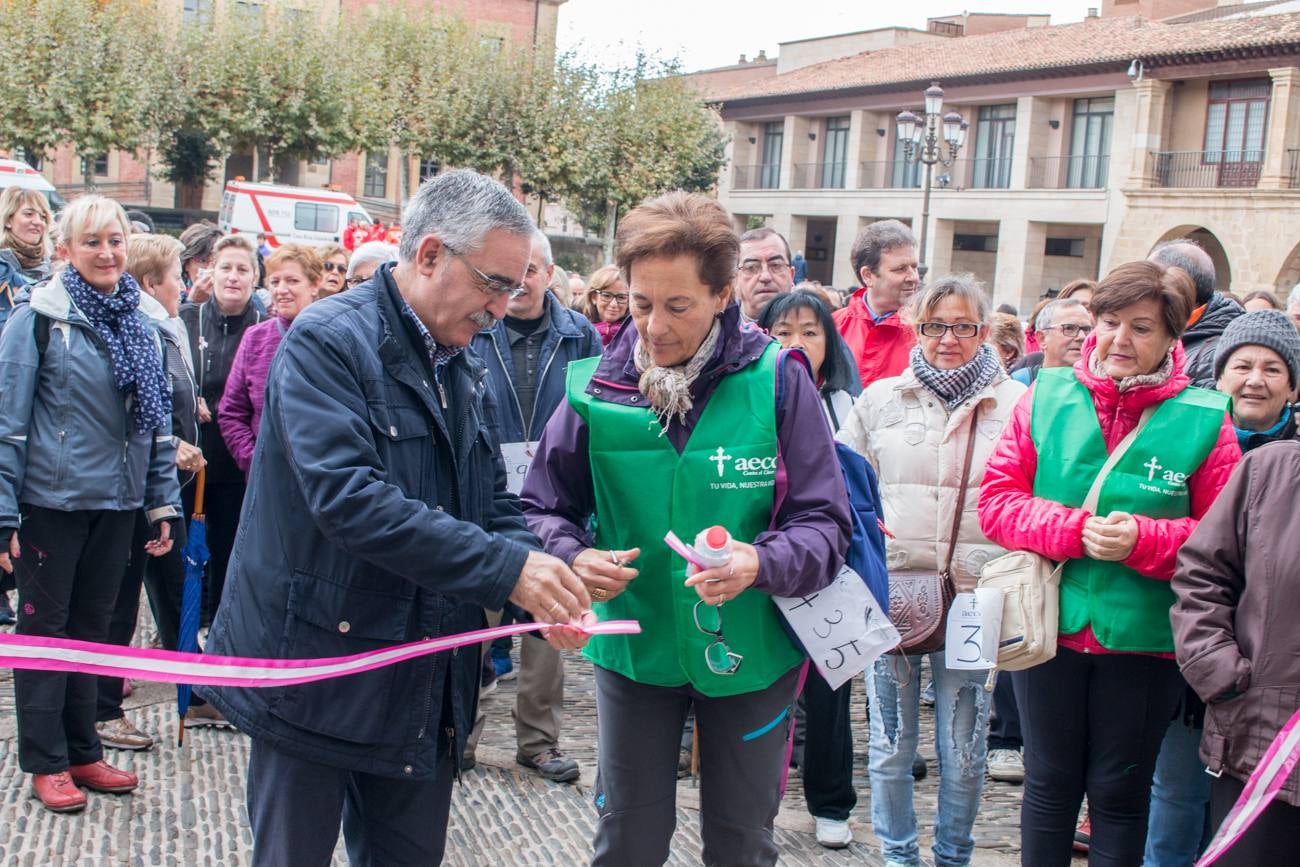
{"x": 517, "y": 458}
{"x": 974, "y": 626}
{"x": 841, "y": 627}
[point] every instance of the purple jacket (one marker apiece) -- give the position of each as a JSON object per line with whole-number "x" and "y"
{"x": 805, "y": 550}
{"x": 240, "y": 412}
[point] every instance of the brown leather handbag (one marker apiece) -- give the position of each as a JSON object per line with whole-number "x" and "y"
{"x": 919, "y": 599}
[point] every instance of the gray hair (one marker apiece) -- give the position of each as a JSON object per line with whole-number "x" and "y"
{"x": 371, "y": 251}
{"x": 460, "y": 207}
{"x": 961, "y": 286}
{"x": 876, "y": 240}
{"x": 1048, "y": 313}
{"x": 540, "y": 240}
{"x": 1294, "y": 298}
{"x": 1191, "y": 257}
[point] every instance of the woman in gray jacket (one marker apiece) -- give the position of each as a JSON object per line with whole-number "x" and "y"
{"x": 85, "y": 441}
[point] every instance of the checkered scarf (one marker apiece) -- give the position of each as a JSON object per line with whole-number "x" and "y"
{"x": 955, "y": 386}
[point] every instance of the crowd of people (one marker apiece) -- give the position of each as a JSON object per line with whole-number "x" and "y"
{"x": 431, "y": 427}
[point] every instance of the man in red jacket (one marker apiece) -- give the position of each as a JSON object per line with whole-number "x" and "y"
{"x": 884, "y": 258}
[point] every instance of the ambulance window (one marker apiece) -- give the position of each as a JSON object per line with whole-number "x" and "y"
{"x": 311, "y": 217}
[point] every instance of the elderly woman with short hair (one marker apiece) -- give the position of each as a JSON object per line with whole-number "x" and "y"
{"x": 366, "y": 260}
{"x": 334, "y": 265}
{"x": 917, "y": 430}
{"x": 85, "y": 443}
{"x": 667, "y": 394}
{"x": 1094, "y": 716}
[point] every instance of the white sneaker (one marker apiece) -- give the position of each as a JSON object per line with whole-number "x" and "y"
{"x": 1006, "y": 766}
{"x": 833, "y": 834}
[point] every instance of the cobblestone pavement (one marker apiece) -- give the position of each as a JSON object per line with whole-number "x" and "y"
{"x": 189, "y": 808}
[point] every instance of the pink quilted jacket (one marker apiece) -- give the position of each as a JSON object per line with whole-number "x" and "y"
{"x": 1014, "y": 518}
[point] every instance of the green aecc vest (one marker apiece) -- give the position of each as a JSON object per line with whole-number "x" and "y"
{"x": 725, "y": 475}
{"x": 1127, "y": 611}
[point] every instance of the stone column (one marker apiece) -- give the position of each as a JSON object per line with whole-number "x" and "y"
{"x": 1032, "y": 131}
{"x": 846, "y": 232}
{"x": 1019, "y": 274}
{"x": 1151, "y": 108}
{"x": 1283, "y": 129}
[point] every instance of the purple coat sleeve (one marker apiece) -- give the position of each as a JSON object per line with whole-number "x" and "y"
{"x": 235, "y": 412}
{"x": 805, "y": 549}
{"x": 801, "y": 553}
{"x": 558, "y": 496}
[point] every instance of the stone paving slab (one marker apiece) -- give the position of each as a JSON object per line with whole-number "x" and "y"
{"x": 190, "y": 806}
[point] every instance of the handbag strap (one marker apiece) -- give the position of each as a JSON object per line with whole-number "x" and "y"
{"x": 961, "y": 498}
{"x": 1094, "y": 493}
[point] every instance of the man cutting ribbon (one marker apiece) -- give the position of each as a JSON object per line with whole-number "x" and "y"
{"x": 377, "y": 514}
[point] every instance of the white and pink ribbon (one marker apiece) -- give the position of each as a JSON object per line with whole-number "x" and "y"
{"x": 1260, "y": 790}
{"x": 169, "y": 666}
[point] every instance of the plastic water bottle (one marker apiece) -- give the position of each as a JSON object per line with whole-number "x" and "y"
{"x": 714, "y": 548}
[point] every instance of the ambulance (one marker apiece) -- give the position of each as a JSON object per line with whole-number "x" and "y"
{"x": 14, "y": 173}
{"x": 297, "y": 215}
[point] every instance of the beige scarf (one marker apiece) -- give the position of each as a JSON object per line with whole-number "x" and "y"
{"x": 669, "y": 388}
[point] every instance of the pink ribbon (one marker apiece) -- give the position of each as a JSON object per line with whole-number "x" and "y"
{"x": 169, "y": 666}
{"x": 1260, "y": 790}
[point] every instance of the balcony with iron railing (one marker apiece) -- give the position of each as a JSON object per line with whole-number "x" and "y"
{"x": 887, "y": 175}
{"x": 1207, "y": 169}
{"x": 818, "y": 176}
{"x": 761, "y": 176}
{"x": 1079, "y": 172}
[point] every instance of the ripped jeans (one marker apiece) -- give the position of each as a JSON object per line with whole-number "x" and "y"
{"x": 961, "y": 741}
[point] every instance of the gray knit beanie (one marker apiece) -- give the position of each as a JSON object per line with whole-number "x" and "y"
{"x": 1269, "y": 328}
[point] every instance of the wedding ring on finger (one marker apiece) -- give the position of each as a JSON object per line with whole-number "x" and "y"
{"x": 600, "y": 594}
{"x": 554, "y": 605}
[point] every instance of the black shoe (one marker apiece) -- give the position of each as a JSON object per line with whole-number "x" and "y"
{"x": 7, "y": 617}
{"x": 551, "y": 765}
{"x": 919, "y": 770}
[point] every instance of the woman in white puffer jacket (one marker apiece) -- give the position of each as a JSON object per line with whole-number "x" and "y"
{"x": 914, "y": 429}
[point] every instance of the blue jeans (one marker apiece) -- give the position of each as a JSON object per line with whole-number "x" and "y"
{"x": 961, "y": 732}
{"x": 1180, "y": 800}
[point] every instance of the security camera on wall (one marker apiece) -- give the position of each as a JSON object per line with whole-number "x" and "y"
{"x": 1135, "y": 70}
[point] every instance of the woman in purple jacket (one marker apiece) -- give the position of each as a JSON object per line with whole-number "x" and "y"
{"x": 293, "y": 274}
{"x": 680, "y": 425}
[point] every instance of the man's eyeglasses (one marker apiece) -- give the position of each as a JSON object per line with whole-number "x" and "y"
{"x": 720, "y": 658}
{"x": 752, "y": 267}
{"x": 960, "y": 330}
{"x": 619, "y": 298}
{"x": 1070, "y": 330}
{"x": 487, "y": 284}
{"x": 335, "y": 267}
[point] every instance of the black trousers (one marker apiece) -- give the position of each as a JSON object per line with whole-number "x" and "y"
{"x": 224, "y": 500}
{"x": 164, "y": 579}
{"x": 68, "y": 576}
{"x": 1004, "y": 723}
{"x": 295, "y": 808}
{"x": 1093, "y": 723}
{"x": 1274, "y": 839}
{"x": 828, "y": 749}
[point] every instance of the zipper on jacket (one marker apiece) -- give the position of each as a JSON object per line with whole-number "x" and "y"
{"x": 519, "y": 409}
{"x": 532, "y": 418}
{"x": 428, "y": 699}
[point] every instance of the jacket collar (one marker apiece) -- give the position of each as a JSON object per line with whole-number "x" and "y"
{"x": 562, "y": 322}
{"x": 857, "y": 309}
{"x": 51, "y": 299}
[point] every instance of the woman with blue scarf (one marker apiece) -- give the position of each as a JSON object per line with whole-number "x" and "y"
{"x": 85, "y": 441}
{"x": 1257, "y": 363}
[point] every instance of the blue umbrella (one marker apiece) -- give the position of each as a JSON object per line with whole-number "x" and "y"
{"x": 196, "y": 558}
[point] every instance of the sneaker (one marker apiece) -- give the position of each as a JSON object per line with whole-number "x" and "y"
{"x": 58, "y": 793}
{"x": 833, "y": 833}
{"x": 919, "y": 768}
{"x": 1006, "y": 766}
{"x": 121, "y": 735}
{"x": 1083, "y": 834}
{"x": 551, "y": 765}
{"x": 504, "y": 667}
{"x": 205, "y": 716}
{"x": 927, "y": 694}
{"x": 7, "y": 618}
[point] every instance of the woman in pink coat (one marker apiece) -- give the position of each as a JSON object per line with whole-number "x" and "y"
{"x": 294, "y": 273}
{"x": 1094, "y": 716}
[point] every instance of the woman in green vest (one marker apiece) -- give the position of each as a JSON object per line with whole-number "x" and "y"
{"x": 1094, "y": 716}
{"x": 679, "y": 427}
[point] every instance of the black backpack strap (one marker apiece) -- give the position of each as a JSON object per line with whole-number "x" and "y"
{"x": 42, "y": 336}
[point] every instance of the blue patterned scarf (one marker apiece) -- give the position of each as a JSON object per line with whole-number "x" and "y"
{"x": 132, "y": 351}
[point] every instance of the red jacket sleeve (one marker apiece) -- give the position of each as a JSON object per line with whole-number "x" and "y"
{"x": 1010, "y": 514}
{"x": 1159, "y": 539}
{"x": 235, "y": 413}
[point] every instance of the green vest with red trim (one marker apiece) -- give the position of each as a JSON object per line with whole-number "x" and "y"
{"x": 726, "y": 475}
{"x": 1127, "y": 611}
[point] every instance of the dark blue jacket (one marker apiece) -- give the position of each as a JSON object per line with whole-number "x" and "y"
{"x": 569, "y": 338}
{"x": 376, "y": 514}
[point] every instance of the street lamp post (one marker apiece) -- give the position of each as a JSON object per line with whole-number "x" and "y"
{"x": 922, "y": 139}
